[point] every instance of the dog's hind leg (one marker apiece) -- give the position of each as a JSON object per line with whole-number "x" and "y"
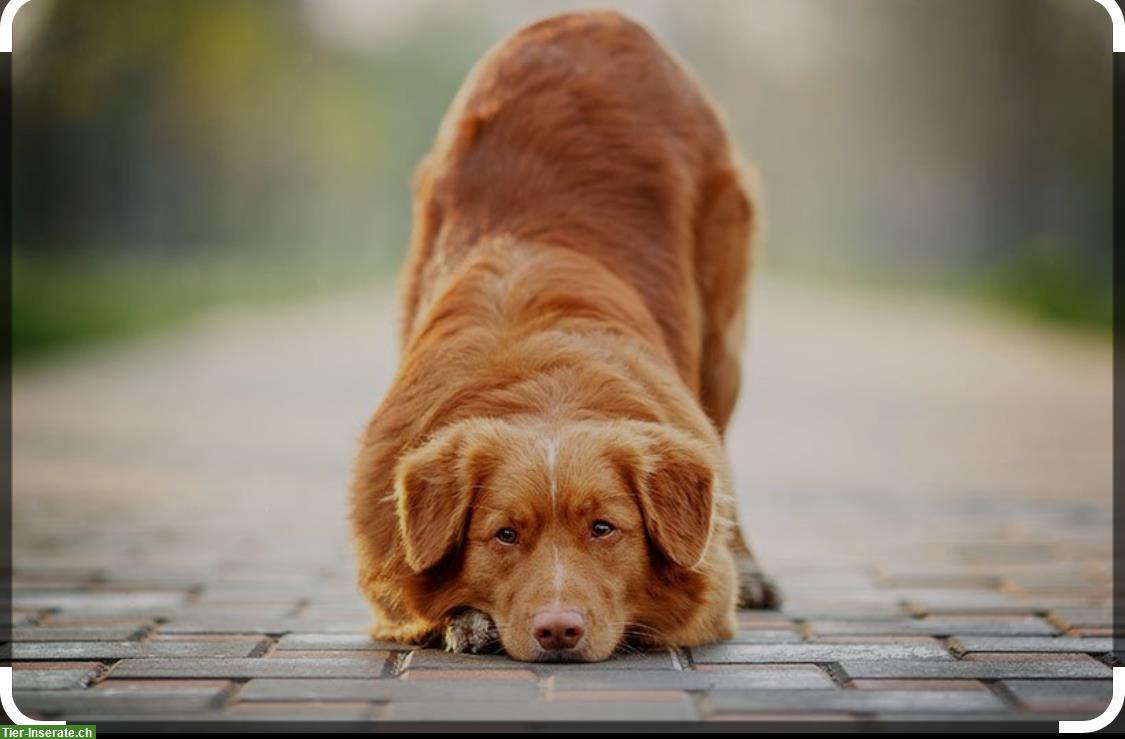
{"x": 755, "y": 588}
{"x": 723, "y": 253}
{"x": 723, "y": 259}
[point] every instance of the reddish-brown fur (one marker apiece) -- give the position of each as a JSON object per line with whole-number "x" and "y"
{"x": 572, "y": 318}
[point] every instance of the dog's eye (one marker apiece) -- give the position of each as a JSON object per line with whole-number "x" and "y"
{"x": 507, "y": 535}
{"x": 601, "y": 528}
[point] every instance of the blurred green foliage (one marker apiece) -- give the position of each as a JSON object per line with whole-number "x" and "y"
{"x": 174, "y": 156}
{"x": 1043, "y": 280}
{"x": 83, "y": 299}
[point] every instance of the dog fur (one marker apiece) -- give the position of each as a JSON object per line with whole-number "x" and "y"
{"x": 572, "y": 318}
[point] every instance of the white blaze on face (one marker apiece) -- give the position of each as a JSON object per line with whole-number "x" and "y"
{"x": 552, "y": 473}
{"x": 559, "y": 575}
{"x": 552, "y": 477}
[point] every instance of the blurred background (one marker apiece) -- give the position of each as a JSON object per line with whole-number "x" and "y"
{"x": 212, "y": 200}
{"x": 171, "y": 158}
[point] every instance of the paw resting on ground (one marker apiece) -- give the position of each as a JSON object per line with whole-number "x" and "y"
{"x": 473, "y": 632}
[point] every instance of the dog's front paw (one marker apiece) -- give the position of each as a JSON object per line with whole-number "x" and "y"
{"x": 471, "y": 631}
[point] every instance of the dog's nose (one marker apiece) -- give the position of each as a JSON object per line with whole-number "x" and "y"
{"x": 556, "y": 629}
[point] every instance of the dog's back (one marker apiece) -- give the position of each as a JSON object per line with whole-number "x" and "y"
{"x": 573, "y": 301}
{"x": 582, "y": 131}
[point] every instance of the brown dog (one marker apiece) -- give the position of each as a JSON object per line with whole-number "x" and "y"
{"x": 550, "y": 451}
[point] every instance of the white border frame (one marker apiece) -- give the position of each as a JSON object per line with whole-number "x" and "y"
{"x": 1115, "y": 17}
{"x": 8, "y": 17}
{"x": 8, "y": 701}
{"x": 1100, "y": 722}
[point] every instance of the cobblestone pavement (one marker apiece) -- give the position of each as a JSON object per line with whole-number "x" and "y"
{"x": 930, "y": 487}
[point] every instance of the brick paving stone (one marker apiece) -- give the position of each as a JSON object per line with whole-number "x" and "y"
{"x": 100, "y": 603}
{"x": 19, "y": 618}
{"x": 852, "y": 701}
{"x": 338, "y": 642}
{"x": 789, "y": 677}
{"x": 765, "y": 636}
{"x": 943, "y": 602}
{"x": 148, "y": 697}
{"x": 917, "y": 685}
{"x": 1066, "y": 617}
{"x": 351, "y": 612}
{"x": 237, "y": 598}
{"x": 330, "y": 654}
{"x": 105, "y": 650}
{"x": 48, "y": 633}
{"x": 835, "y": 612}
{"x": 1002, "y": 553}
{"x": 1095, "y": 632}
{"x": 317, "y": 689}
{"x": 975, "y": 717}
{"x": 1061, "y": 695}
{"x": 751, "y": 653}
{"x": 250, "y": 623}
{"x": 423, "y": 659}
{"x": 913, "y": 640}
{"x": 619, "y": 696}
{"x": 54, "y": 675}
{"x": 197, "y": 612}
{"x": 250, "y": 712}
{"x": 494, "y": 676}
{"x": 937, "y": 626}
{"x": 301, "y": 711}
{"x": 1054, "y": 584}
{"x": 244, "y": 668}
{"x": 965, "y": 644}
{"x": 951, "y": 579}
{"x": 24, "y": 575}
{"x": 765, "y": 619}
{"x": 1027, "y": 657}
{"x": 389, "y": 690}
{"x": 972, "y": 670}
{"x": 679, "y": 709}
{"x": 995, "y": 553}
{"x": 772, "y": 717}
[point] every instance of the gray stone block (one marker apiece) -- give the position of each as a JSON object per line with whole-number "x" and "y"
{"x": 790, "y": 677}
{"x": 852, "y": 701}
{"x": 55, "y": 676}
{"x": 435, "y": 659}
{"x": 106, "y": 650}
{"x": 77, "y": 633}
{"x": 936, "y": 626}
{"x": 244, "y": 668}
{"x": 763, "y": 653}
{"x": 679, "y": 709}
{"x": 389, "y": 690}
{"x": 1051, "y": 695}
{"x": 968, "y": 670}
{"x": 100, "y": 603}
{"x": 1088, "y": 645}
{"x": 306, "y": 642}
{"x": 156, "y": 700}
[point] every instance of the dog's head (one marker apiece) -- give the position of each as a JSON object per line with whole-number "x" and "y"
{"x": 556, "y": 534}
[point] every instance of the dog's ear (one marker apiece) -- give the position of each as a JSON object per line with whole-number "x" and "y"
{"x": 673, "y": 479}
{"x": 434, "y": 487}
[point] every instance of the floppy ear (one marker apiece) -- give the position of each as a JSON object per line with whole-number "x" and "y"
{"x": 434, "y": 487}
{"x": 674, "y": 480}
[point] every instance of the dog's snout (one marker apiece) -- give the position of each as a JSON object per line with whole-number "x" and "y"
{"x": 558, "y": 629}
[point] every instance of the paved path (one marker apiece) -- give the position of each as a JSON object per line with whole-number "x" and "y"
{"x": 931, "y": 488}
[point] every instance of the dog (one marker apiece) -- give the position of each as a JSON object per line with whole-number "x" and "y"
{"x": 546, "y": 473}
